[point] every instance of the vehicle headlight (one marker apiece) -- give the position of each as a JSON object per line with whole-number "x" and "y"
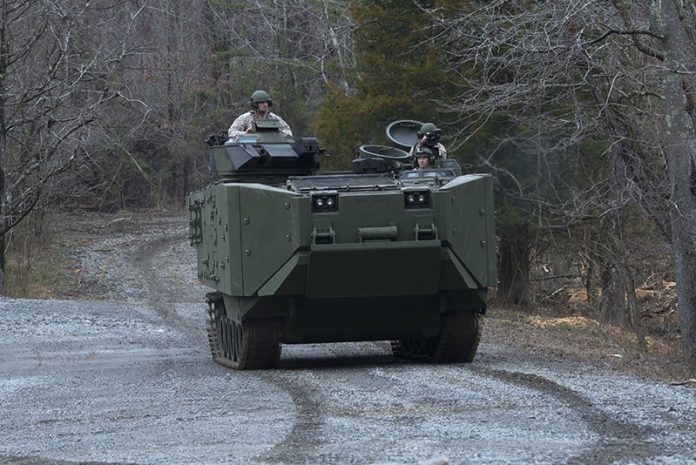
{"x": 323, "y": 203}
{"x": 417, "y": 199}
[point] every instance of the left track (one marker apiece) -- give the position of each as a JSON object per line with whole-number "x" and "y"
{"x": 250, "y": 345}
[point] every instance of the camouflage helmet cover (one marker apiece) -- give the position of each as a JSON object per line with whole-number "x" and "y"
{"x": 260, "y": 96}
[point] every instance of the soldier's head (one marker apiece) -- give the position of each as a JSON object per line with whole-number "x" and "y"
{"x": 424, "y": 158}
{"x": 426, "y": 128}
{"x": 261, "y": 101}
{"x": 429, "y": 135}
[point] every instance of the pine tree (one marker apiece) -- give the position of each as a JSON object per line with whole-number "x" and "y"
{"x": 399, "y": 75}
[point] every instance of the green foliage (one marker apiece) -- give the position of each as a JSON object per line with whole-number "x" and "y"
{"x": 399, "y": 75}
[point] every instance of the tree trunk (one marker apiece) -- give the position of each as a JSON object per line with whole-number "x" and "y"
{"x": 612, "y": 308}
{"x": 679, "y": 151}
{"x": 4, "y": 221}
{"x": 633, "y": 312}
{"x": 513, "y": 268}
{"x": 186, "y": 188}
{"x": 619, "y": 304}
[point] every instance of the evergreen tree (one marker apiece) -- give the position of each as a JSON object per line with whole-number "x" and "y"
{"x": 399, "y": 75}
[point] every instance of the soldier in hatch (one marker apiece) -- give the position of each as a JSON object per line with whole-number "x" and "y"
{"x": 429, "y": 137}
{"x": 260, "y": 104}
{"x": 424, "y": 158}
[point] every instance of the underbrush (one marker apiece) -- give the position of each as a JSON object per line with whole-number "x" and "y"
{"x": 36, "y": 277}
{"x": 35, "y": 265}
{"x": 552, "y": 333}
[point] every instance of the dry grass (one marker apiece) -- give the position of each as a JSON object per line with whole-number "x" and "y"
{"x": 36, "y": 277}
{"x": 37, "y": 267}
{"x": 582, "y": 339}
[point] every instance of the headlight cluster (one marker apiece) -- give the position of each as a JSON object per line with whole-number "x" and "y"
{"x": 322, "y": 203}
{"x": 417, "y": 199}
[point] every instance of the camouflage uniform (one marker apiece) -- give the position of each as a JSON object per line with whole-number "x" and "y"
{"x": 244, "y": 123}
{"x": 441, "y": 152}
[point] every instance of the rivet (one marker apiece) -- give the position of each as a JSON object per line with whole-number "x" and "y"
{"x": 288, "y": 237}
{"x": 483, "y": 243}
{"x": 247, "y": 252}
{"x": 246, "y": 220}
{"x": 287, "y": 205}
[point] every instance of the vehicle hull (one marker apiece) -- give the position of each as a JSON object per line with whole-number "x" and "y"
{"x": 344, "y": 258}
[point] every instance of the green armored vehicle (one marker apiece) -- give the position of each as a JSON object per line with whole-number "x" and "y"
{"x": 384, "y": 252}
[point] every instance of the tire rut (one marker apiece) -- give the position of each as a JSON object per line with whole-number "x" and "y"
{"x": 159, "y": 295}
{"x": 618, "y": 440}
{"x": 300, "y": 445}
{"x": 15, "y": 460}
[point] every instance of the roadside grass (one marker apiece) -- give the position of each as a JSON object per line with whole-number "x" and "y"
{"x": 550, "y": 334}
{"x": 36, "y": 265}
{"x": 37, "y": 277}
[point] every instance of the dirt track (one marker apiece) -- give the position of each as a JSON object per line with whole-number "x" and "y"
{"x": 126, "y": 377}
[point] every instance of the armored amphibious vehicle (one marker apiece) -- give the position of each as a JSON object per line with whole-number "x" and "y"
{"x": 383, "y": 252}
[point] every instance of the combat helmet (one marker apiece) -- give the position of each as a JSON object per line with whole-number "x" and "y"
{"x": 425, "y": 129}
{"x": 260, "y": 96}
{"x": 424, "y": 152}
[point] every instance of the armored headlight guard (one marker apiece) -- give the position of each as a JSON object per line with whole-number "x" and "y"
{"x": 324, "y": 202}
{"x": 417, "y": 199}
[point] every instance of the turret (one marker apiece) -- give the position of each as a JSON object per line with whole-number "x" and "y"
{"x": 266, "y": 156}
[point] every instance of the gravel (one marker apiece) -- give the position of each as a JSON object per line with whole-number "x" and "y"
{"x": 126, "y": 377}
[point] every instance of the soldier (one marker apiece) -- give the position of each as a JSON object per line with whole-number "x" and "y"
{"x": 260, "y": 104}
{"x": 429, "y": 136}
{"x": 424, "y": 157}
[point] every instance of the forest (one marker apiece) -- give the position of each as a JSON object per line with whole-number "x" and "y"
{"x": 584, "y": 111}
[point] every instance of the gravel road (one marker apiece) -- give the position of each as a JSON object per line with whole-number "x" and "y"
{"x": 128, "y": 378}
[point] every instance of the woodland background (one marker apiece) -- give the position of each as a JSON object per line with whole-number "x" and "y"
{"x": 583, "y": 110}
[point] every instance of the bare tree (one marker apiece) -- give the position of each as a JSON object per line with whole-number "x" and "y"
{"x": 57, "y": 72}
{"x": 569, "y": 77}
{"x": 199, "y": 62}
{"x": 289, "y": 47}
{"x": 169, "y": 95}
{"x": 677, "y": 21}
